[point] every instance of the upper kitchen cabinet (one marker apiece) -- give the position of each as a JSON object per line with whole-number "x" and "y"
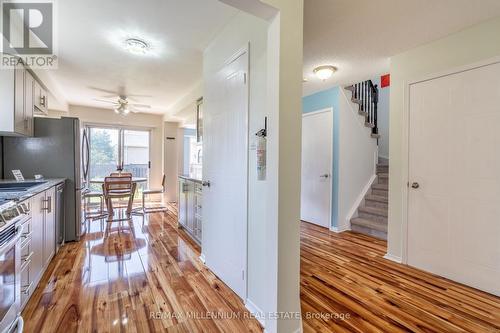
{"x": 41, "y": 99}
{"x": 16, "y": 102}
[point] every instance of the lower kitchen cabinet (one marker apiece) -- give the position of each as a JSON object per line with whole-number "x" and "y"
{"x": 38, "y": 242}
{"x": 189, "y": 207}
{"x": 37, "y": 238}
{"x": 49, "y": 244}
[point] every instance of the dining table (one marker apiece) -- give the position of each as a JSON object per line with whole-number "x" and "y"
{"x": 136, "y": 210}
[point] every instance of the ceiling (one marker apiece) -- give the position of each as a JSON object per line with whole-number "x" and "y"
{"x": 359, "y": 36}
{"x": 92, "y": 59}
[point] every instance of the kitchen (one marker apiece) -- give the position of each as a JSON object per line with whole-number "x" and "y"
{"x": 106, "y": 215}
{"x": 55, "y": 157}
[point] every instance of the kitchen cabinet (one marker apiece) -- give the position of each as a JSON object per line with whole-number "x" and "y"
{"x": 26, "y": 259}
{"x": 40, "y": 99}
{"x": 29, "y": 103}
{"x": 49, "y": 241}
{"x": 38, "y": 242}
{"x": 16, "y": 102}
{"x": 190, "y": 207}
{"x": 37, "y": 225}
{"x": 183, "y": 202}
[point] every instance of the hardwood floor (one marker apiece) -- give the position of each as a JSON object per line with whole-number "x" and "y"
{"x": 143, "y": 278}
{"x": 346, "y": 274}
{"x": 148, "y": 278}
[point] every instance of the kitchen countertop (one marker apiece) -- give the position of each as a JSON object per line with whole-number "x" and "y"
{"x": 23, "y": 195}
{"x": 187, "y": 177}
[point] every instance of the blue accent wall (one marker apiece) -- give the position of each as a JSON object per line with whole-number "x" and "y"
{"x": 318, "y": 101}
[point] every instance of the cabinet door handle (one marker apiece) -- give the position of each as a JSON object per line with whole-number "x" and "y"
{"x": 27, "y": 258}
{"x": 49, "y": 208}
{"x": 45, "y": 204}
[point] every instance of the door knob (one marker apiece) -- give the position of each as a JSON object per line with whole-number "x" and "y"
{"x": 415, "y": 185}
{"x": 205, "y": 183}
{"x": 325, "y": 175}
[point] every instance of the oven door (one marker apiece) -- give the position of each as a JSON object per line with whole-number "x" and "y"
{"x": 10, "y": 280}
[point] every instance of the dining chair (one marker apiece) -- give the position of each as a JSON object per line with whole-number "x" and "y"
{"x": 148, "y": 192}
{"x": 88, "y": 195}
{"x": 118, "y": 188}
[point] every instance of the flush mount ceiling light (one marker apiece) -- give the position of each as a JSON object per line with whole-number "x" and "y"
{"x": 136, "y": 46}
{"x": 324, "y": 72}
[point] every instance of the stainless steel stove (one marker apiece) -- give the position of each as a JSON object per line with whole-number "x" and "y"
{"x": 12, "y": 216}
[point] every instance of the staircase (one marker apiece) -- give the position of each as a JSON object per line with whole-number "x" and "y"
{"x": 371, "y": 216}
{"x": 365, "y": 95}
{"x": 372, "y": 213}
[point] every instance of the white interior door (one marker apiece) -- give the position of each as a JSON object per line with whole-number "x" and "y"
{"x": 317, "y": 141}
{"x": 454, "y": 177}
{"x": 225, "y": 166}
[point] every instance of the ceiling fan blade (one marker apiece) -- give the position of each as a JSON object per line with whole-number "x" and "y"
{"x": 139, "y": 96}
{"x": 142, "y": 106}
{"x": 114, "y": 96}
{"x": 105, "y": 91}
{"x": 105, "y": 101}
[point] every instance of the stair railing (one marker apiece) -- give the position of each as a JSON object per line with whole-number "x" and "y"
{"x": 365, "y": 94}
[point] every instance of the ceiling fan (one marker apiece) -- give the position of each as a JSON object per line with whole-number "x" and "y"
{"x": 122, "y": 106}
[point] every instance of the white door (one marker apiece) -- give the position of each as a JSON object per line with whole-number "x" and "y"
{"x": 316, "y": 177}
{"x": 225, "y": 166}
{"x": 454, "y": 177}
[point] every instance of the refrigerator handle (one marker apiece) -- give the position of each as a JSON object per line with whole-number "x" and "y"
{"x": 86, "y": 153}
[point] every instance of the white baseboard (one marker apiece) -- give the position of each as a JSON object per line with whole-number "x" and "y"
{"x": 256, "y": 311}
{"x": 202, "y": 258}
{"x": 394, "y": 258}
{"x": 340, "y": 229}
{"x": 359, "y": 199}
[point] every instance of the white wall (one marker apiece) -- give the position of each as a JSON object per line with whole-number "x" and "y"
{"x": 466, "y": 47}
{"x": 184, "y": 110}
{"x": 243, "y": 29}
{"x": 276, "y": 256}
{"x": 133, "y": 120}
{"x": 357, "y": 159}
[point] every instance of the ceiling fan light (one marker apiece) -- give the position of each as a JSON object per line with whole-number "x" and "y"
{"x": 324, "y": 72}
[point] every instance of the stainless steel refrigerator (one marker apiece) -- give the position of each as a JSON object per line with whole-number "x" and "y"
{"x": 54, "y": 152}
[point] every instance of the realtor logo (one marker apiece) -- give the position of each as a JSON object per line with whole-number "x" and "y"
{"x": 28, "y": 34}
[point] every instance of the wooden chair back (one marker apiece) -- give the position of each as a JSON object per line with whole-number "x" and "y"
{"x": 117, "y": 185}
{"x": 121, "y": 174}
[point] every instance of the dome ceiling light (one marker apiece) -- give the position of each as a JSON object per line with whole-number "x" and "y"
{"x": 324, "y": 72}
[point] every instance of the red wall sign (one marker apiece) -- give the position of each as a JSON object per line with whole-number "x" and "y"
{"x": 385, "y": 80}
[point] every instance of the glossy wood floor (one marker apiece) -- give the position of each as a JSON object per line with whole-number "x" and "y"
{"x": 346, "y": 274}
{"x": 139, "y": 277}
{"x": 129, "y": 278}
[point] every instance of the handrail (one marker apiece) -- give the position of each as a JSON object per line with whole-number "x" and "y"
{"x": 365, "y": 94}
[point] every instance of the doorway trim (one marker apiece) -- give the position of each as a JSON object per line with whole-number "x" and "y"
{"x": 405, "y": 160}
{"x": 313, "y": 113}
